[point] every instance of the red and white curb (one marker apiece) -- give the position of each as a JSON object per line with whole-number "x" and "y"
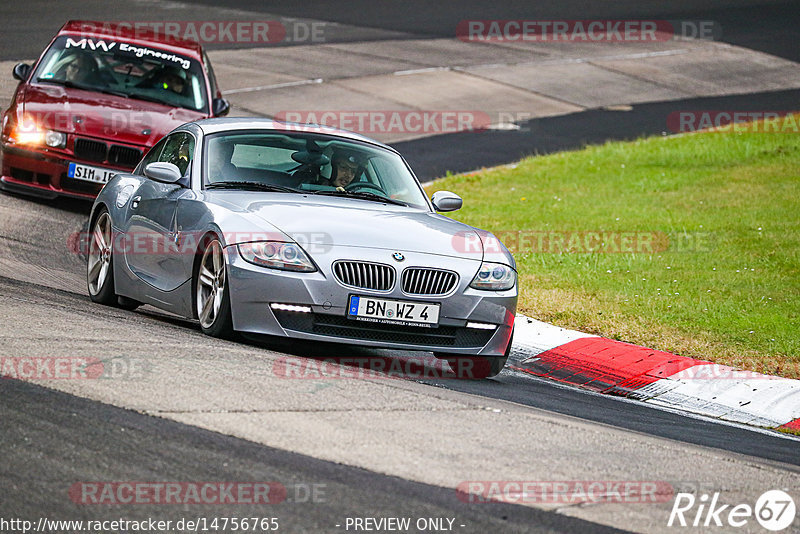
{"x": 656, "y": 377}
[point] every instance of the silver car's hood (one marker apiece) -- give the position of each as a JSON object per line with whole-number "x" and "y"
{"x": 357, "y": 223}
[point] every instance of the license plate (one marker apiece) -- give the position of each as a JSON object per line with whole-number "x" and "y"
{"x": 393, "y": 311}
{"x": 89, "y": 173}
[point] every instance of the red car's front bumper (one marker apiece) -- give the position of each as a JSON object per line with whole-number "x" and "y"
{"x": 36, "y": 173}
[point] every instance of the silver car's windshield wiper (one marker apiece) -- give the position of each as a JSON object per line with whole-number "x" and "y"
{"x": 251, "y": 185}
{"x": 362, "y": 195}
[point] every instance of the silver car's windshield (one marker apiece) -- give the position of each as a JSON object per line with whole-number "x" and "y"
{"x": 309, "y": 163}
{"x": 124, "y": 69}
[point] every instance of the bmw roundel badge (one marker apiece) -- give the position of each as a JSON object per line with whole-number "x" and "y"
{"x": 398, "y": 256}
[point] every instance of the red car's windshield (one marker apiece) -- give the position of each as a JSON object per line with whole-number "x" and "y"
{"x": 125, "y": 69}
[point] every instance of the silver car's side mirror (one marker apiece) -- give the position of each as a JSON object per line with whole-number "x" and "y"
{"x": 446, "y": 201}
{"x": 162, "y": 171}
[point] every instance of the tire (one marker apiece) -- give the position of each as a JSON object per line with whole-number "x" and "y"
{"x": 211, "y": 292}
{"x": 471, "y": 367}
{"x": 127, "y": 303}
{"x": 100, "y": 265}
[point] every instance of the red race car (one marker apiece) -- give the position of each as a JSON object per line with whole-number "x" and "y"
{"x": 98, "y": 98}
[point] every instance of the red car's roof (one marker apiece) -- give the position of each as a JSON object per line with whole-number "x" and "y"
{"x": 141, "y": 33}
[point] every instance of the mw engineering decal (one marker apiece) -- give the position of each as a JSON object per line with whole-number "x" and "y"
{"x": 138, "y": 51}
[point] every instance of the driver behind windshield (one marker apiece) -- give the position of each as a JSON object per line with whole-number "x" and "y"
{"x": 346, "y": 167}
{"x": 78, "y": 68}
{"x": 170, "y": 79}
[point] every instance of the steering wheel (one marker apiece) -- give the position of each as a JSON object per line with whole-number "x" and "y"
{"x": 364, "y": 185}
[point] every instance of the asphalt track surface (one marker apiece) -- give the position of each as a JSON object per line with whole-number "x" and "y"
{"x": 767, "y": 27}
{"x": 433, "y": 156}
{"x": 517, "y": 387}
{"x": 49, "y": 438}
{"x": 760, "y": 25}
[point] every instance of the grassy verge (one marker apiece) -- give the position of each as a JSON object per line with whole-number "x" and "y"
{"x": 688, "y": 244}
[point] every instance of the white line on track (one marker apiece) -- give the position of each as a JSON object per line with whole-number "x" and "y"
{"x": 461, "y": 68}
{"x": 272, "y": 86}
{"x": 419, "y": 71}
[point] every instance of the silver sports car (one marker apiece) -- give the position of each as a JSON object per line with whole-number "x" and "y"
{"x": 263, "y": 227}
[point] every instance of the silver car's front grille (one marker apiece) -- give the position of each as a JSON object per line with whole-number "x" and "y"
{"x": 365, "y": 275}
{"x": 426, "y": 281}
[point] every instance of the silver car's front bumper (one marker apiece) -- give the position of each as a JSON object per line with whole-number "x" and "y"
{"x": 254, "y": 288}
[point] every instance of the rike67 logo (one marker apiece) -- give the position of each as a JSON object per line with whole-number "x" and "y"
{"x": 774, "y": 510}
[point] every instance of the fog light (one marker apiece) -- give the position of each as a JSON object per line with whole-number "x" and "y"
{"x": 482, "y": 326}
{"x": 290, "y": 307}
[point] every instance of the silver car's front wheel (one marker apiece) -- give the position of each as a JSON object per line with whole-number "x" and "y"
{"x": 99, "y": 264}
{"x": 212, "y": 299}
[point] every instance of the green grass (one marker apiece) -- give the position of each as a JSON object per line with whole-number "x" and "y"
{"x": 727, "y": 286}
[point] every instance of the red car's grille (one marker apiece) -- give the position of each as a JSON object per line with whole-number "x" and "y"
{"x": 90, "y": 150}
{"x": 124, "y": 156}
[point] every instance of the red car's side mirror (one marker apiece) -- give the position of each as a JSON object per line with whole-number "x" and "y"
{"x": 21, "y": 71}
{"x": 220, "y": 107}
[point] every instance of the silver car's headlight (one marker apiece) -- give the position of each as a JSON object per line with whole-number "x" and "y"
{"x": 494, "y": 277}
{"x": 277, "y": 255}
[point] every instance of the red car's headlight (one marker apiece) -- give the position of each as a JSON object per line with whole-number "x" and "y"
{"x": 30, "y": 133}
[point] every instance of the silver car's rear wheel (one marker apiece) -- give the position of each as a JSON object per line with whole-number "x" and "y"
{"x": 212, "y": 299}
